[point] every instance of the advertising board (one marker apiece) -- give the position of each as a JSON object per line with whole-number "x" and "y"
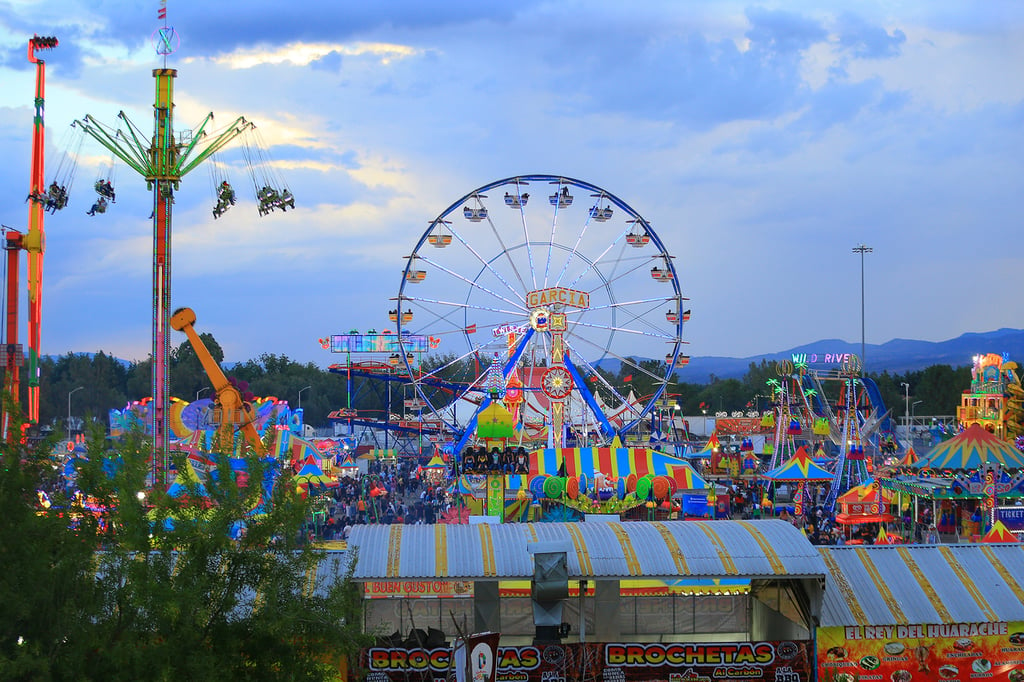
{"x": 784, "y": 661}
{"x": 913, "y": 653}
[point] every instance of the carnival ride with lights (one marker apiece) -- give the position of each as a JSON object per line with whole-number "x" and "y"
{"x": 33, "y": 242}
{"x": 381, "y": 412}
{"x": 553, "y": 291}
{"x": 234, "y": 422}
{"x": 804, "y": 417}
{"x": 162, "y": 160}
{"x": 995, "y": 399}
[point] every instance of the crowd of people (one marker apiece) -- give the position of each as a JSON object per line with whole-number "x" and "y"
{"x": 389, "y": 492}
{"x": 397, "y": 491}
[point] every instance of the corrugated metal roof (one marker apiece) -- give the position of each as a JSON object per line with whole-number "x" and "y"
{"x": 911, "y": 584}
{"x": 608, "y": 550}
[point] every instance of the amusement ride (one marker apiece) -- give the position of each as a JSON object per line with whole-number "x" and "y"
{"x": 33, "y": 242}
{"x": 553, "y": 280}
{"x": 162, "y": 160}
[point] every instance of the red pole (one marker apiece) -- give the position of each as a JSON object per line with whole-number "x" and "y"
{"x": 34, "y": 242}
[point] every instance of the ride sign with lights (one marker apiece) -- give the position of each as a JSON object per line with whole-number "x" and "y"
{"x": 557, "y": 296}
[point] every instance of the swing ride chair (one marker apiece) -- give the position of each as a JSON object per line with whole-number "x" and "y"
{"x": 265, "y": 181}
{"x": 225, "y": 199}
{"x": 104, "y": 188}
{"x": 58, "y": 192}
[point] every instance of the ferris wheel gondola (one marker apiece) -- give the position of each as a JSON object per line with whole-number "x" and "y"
{"x": 557, "y": 291}
{"x": 439, "y": 236}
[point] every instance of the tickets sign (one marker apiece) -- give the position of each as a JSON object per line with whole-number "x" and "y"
{"x": 608, "y": 662}
{"x": 916, "y": 653}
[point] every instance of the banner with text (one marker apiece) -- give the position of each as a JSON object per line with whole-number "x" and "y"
{"x": 912, "y": 653}
{"x": 608, "y": 662}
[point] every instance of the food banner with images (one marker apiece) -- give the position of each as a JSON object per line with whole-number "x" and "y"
{"x": 785, "y": 661}
{"x": 919, "y": 653}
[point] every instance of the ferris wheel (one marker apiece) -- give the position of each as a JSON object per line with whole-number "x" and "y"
{"x": 541, "y": 280}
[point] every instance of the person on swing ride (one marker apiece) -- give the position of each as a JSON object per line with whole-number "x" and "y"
{"x": 105, "y": 189}
{"x": 286, "y": 199}
{"x": 57, "y": 197}
{"x": 99, "y": 207}
{"x": 226, "y": 194}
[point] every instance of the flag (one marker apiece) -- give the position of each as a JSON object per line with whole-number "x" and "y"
{"x": 628, "y": 377}
{"x": 471, "y": 329}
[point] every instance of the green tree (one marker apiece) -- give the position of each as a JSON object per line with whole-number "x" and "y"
{"x": 940, "y": 387}
{"x": 174, "y": 591}
{"x": 186, "y": 371}
{"x": 283, "y": 378}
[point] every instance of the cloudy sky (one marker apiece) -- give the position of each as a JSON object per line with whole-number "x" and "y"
{"x": 762, "y": 141}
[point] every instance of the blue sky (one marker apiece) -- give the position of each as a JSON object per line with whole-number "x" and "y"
{"x": 762, "y": 141}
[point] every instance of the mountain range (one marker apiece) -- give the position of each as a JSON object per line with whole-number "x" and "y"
{"x": 895, "y": 356}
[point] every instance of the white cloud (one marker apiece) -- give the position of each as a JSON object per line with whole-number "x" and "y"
{"x": 302, "y": 54}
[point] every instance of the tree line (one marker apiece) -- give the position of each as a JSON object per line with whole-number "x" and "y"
{"x": 110, "y": 383}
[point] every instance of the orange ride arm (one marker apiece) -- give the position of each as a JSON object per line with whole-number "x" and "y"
{"x": 229, "y": 398}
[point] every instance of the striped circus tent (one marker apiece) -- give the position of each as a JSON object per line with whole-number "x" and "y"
{"x": 909, "y": 459}
{"x": 970, "y": 450}
{"x": 799, "y": 467}
{"x": 710, "y": 446}
{"x": 311, "y": 477}
{"x": 615, "y": 462}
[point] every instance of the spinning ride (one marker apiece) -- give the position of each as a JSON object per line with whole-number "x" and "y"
{"x": 555, "y": 278}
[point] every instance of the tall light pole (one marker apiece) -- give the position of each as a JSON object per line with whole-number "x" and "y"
{"x": 906, "y": 414}
{"x": 70, "y": 393}
{"x": 913, "y": 408}
{"x": 862, "y": 250}
{"x": 201, "y": 391}
{"x": 298, "y": 405}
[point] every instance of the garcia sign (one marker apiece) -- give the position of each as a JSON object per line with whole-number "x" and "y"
{"x": 608, "y": 662}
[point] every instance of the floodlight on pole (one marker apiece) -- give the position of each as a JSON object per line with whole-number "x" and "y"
{"x": 862, "y": 249}
{"x": 70, "y": 393}
{"x": 906, "y": 414}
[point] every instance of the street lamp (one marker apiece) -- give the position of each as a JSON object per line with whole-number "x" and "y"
{"x": 862, "y": 250}
{"x": 913, "y": 409}
{"x": 70, "y": 393}
{"x": 298, "y": 405}
{"x": 906, "y": 413}
{"x": 201, "y": 391}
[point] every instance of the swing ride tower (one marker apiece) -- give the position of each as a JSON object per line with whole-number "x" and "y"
{"x": 33, "y": 242}
{"x": 162, "y": 161}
